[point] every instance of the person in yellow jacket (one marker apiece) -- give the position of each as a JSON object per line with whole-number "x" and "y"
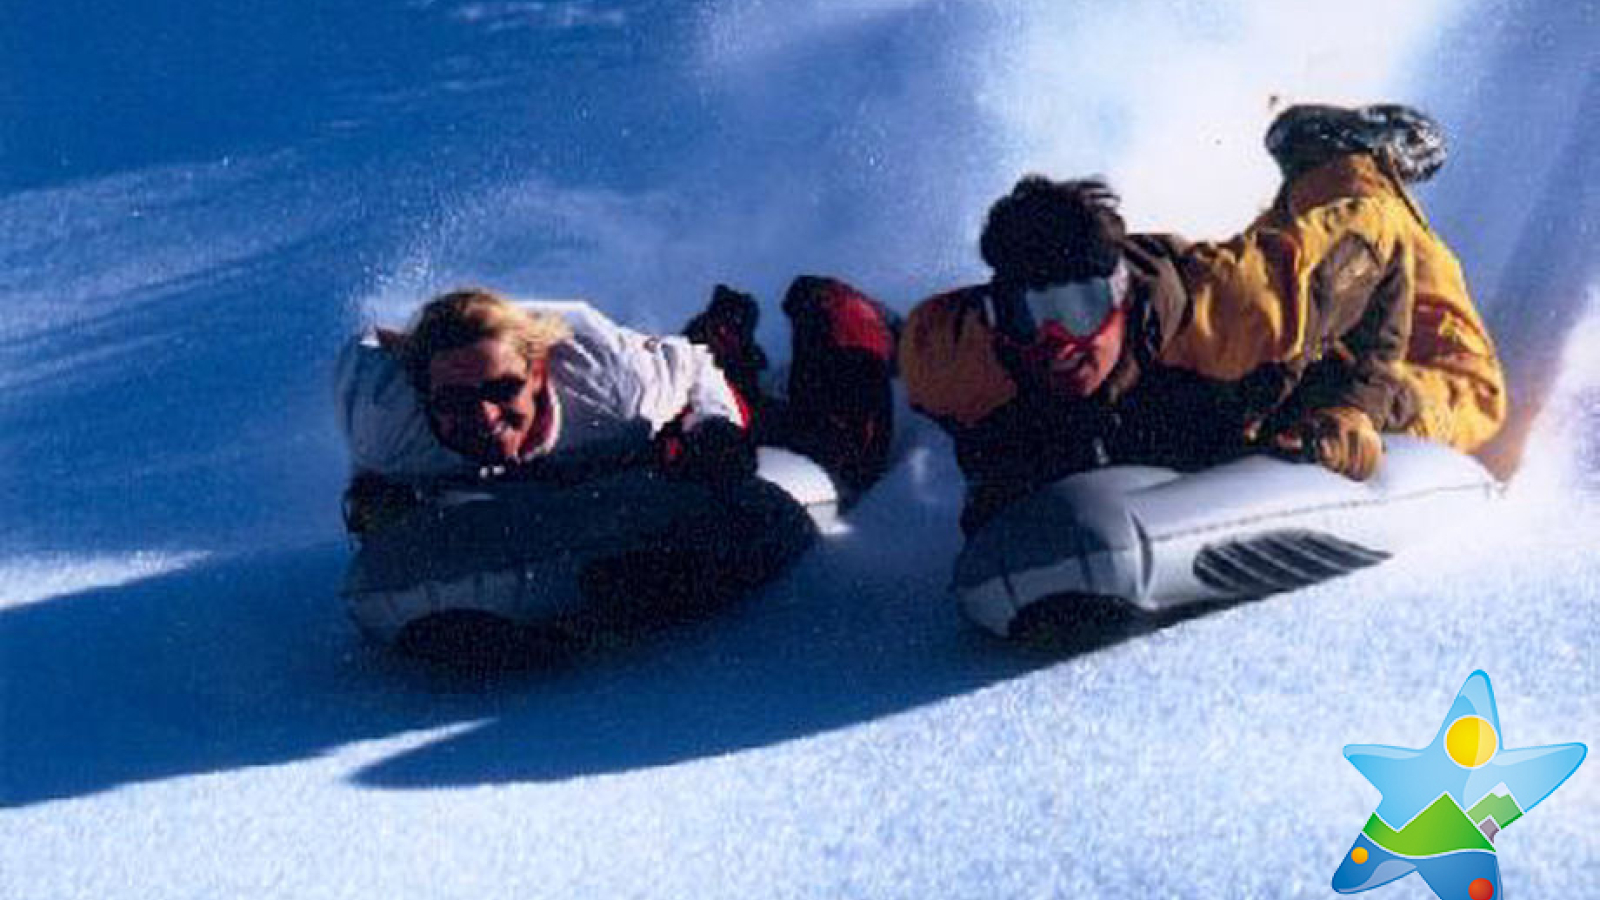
{"x": 1336, "y": 315}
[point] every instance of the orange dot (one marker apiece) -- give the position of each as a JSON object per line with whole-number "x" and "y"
{"x": 1481, "y": 889}
{"x": 1359, "y": 854}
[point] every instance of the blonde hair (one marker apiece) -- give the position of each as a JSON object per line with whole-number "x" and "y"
{"x": 464, "y": 317}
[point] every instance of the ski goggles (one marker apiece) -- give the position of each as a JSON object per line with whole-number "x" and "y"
{"x": 1079, "y": 308}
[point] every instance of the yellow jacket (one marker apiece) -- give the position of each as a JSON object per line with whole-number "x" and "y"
{"x": 1258, "y": 298}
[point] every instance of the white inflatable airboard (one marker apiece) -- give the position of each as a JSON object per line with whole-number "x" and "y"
{"x": 520, "y": 551}
{"x": 1159, "y": 539}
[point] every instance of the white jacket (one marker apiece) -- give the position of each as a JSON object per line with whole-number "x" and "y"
{"x": 612, "y": 390}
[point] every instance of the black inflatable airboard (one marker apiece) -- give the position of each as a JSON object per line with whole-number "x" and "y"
{"x": 537, "y": 554}
{"x": 1159, "y": 539}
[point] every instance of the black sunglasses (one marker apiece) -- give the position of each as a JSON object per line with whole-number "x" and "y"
{"x": 460, "y": 400}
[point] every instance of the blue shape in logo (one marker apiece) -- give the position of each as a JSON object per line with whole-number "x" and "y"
{"x": 1444, "y": 804}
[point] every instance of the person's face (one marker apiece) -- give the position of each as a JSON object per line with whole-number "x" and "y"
{"x": 1069, "y": 333}
{"x": 484, "y": 401}
{"x": 1075, "y": 366}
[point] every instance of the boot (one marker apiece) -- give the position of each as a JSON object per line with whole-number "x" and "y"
{"x": 840, "y": 406}
{"x": 727, "y": 327}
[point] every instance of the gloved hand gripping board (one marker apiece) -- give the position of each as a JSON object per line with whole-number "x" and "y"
{"x": 1159, "y": 539}
{"x": 542, "y": 555}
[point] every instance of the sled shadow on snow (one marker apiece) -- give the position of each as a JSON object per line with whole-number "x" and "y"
{"x": 778, "y": 667}
{"x": 249, "y": 661}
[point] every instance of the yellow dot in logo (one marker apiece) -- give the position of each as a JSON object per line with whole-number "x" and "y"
{"x": 1359, "y": 855}
{"x": 1471, "y": 741}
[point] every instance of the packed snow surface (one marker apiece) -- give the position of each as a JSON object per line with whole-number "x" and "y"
{"x": 195, "y": 210}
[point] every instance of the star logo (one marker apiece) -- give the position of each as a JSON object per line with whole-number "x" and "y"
{"x": 1444, "y": 804}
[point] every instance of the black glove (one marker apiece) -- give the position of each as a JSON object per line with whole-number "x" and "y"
{"x": 715, "y": 451}
{"x": 373, "y": 503}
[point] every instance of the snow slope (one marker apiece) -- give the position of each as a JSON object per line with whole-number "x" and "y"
{"x": 196, "y": 205}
